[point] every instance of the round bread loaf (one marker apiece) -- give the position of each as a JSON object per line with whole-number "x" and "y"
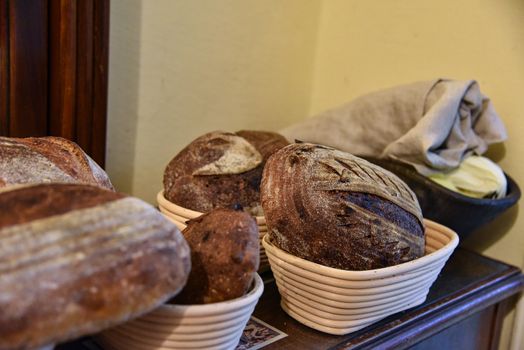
{"x": 76, "y": 259}
{"x": 47, "y": 159}
{"x": 338, "y": 210}
{"x": 225, "y": 256}
{"x": 221, "y": 169}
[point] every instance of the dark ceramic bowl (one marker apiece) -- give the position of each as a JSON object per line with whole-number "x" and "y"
{"x": 461, "y": 213}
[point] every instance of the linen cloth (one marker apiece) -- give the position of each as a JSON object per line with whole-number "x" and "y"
{"x": 432, "y": 125}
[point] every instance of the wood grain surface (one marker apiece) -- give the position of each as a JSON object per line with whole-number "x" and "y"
{"x": 53, "y": 70}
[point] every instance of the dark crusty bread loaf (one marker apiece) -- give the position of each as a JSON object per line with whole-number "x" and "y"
{"x": 225, "y": 256}
{"x": 45, "y": 160}
{"x": 338, "y": 210}
{"x": 221, "y": 169}
{"x": 76, "y": 259}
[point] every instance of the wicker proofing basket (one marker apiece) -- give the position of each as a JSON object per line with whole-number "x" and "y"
{"x": 209, "y": 326}
{"x": 179, "y": 215}
{"x": 338, "y": 301}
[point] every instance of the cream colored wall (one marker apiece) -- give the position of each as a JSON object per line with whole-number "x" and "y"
{"x": 367, "y": 45}
{"x": 179, "y": 69}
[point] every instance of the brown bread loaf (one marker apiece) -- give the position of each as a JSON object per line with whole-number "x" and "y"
{"x": 225, "y": 256}
{"x": 76, "y": 259}
{"x": 338, "y": 210}
{"x": 47, "y": 159}
{"x": 221, "y": 169}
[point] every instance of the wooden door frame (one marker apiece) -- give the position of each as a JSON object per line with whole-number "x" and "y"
{"x": 53, "y": 70}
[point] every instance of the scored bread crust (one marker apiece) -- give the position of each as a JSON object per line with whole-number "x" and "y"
{"x": 76, "y": 259}
{"x": 47, "y": 159}
{"x": 338, "y": 210}
{"x": 185, "y": 183}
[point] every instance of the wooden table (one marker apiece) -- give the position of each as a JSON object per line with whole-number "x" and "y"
{"x": 464, "y": 310}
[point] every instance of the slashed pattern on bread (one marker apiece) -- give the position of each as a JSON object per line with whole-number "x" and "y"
{"x": 338, "y": 210}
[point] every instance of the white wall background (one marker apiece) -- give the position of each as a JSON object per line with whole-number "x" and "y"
{"x": 181, "y": 68}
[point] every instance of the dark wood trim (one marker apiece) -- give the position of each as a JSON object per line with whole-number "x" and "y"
{"x": 53, "y": 70}
{"x": 4, "y": 67}
{"x": 424, "y": 325}
{"x": 62, "y": 82}
{"x": 501, "y": 310}
{"x": 85, "y": 74}
{"x": 28, "y": 67}
{"x": 100, "y": 79}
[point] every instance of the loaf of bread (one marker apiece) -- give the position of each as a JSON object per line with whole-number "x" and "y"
{"x": 221, "y": 169}
{"x": 225, "y": 256}
{"x": 76, "y": 259}
{"x": 47, "y": 159}
{"x": 338, "y": 210}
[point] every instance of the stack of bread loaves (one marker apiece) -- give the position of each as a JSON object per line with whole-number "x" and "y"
{"x": 346, "y": 238}
{"x": 219, "y": 170}
{"x": 346, "y": 241}
{"x": 76, "y": 257}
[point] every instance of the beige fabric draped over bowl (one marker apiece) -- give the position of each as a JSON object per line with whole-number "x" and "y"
{"x": 432, "y": 125}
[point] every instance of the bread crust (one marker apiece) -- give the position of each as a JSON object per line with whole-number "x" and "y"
{"x": 200, "y": 179}
{"x": 338, "y": 210}
{"x": 225, "y": 256}
{"x": 47, "y": 159}
{"x": 77, "y": 259}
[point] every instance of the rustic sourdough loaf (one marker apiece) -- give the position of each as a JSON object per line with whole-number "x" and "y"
{"x": 225, "y": 256}
{"x": 47, "y": 159}
{"x": 75, "y": 259}
{"x": 221, "y": 169}
{"x": 338, "y": 210}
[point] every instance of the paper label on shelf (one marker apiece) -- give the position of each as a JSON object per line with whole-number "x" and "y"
{"x": 258, "y": 334}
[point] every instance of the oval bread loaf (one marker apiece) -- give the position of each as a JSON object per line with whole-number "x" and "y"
{"x": 338, "y": 210}
{"x": 47, "y": 159}
{"x": 76, "y": 259}
{"x": 225, "y": 256}
{"x": 221, "y": 169}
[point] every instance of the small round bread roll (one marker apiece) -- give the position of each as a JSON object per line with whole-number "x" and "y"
{"x": 339, "y": 210}
{"x": 45, "y": 160}
{"x": 221, "y": 169}
{"x": 76, "y": 259}
{"x": 224, "y": 254}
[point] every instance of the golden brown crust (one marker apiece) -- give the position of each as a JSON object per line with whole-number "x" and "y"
{"x": 338, "y": 210}
{"x": 64, "y": 274}
{"x": 233, "y": 172}
{"x": 225, "y": 255}
{"x": 47, "y": 159}
{"x": 266, "y": 142}
{"x": 29, "y": 203}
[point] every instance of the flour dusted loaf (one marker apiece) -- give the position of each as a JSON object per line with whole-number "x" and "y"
{"x": 225, "y": 256}
{"x": 338, "y": 210}
{"x": 75, "y": 259}
{"x": 221, "y": 169}
{"x": 45, "y": 160}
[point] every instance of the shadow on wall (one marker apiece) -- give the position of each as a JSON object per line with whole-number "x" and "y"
{"x": 122, "y": 118}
